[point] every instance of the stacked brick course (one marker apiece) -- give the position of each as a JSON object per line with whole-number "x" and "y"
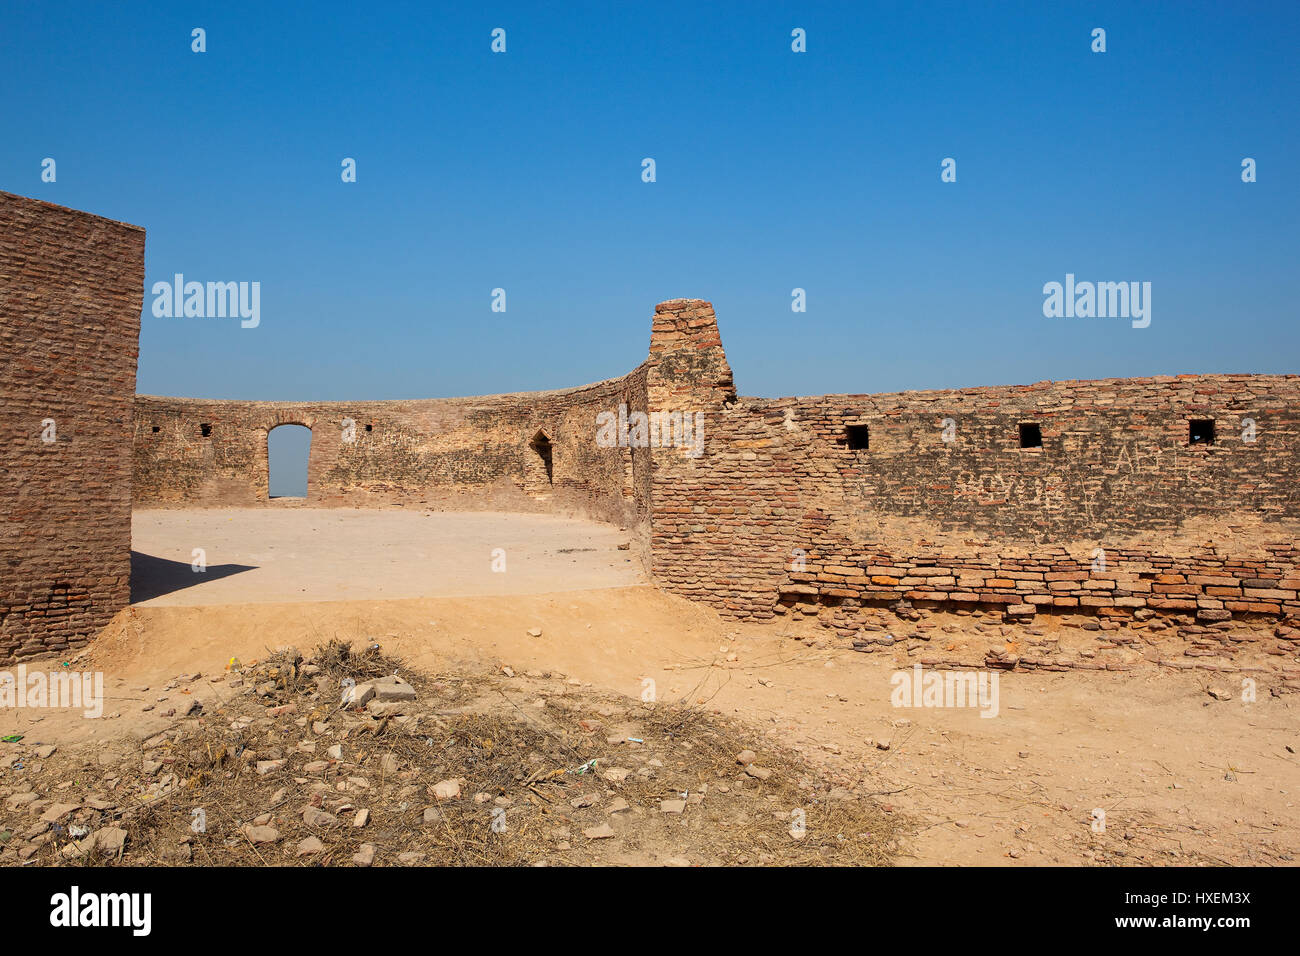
{"x": 71, "y": 287}
{"x": 835, "y": 505}
{"x": 473, "y": 453}
{"x": 1211, "y": 585}
{"x": 943, "y": 506}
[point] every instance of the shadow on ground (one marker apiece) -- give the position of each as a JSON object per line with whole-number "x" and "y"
{"x": 152, "y": 577}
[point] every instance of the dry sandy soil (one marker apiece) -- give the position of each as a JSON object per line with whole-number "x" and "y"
{"x": 256, "y": 555}
{"x": 1183, "y": 778}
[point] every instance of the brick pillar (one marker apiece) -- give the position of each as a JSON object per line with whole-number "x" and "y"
{"x": 687, "y": 374}
{"x": 688, "y": 370}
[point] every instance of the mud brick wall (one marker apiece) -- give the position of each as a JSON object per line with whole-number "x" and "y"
{"x": 71, "y": 288}
{"x": 1115, "y": 454}
{"x": 466, "y": 453}
{"x": 471, "y": 453}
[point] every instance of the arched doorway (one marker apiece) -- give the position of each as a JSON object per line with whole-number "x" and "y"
{"x": 288, "y": 448}
{"x": 541, "y": 445}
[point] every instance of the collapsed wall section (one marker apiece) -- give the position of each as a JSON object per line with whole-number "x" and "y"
{"x": 71, "y": 287}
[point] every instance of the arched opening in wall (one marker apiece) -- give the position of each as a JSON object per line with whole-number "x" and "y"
{"x": 541, "y": 444}
{"x": 287, "y": 449}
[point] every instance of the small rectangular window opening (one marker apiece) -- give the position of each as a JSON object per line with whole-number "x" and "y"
{"x": 370, "y": 428}
{"x": 156, "y": 429}
{"x": 206, "y": 430}
{"x": 1200, "y": 431}
{"x": 859, "y": 437}
{"x": 1031, "y": 436}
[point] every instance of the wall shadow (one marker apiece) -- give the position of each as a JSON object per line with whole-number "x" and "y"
{"x": 153, "y": 577}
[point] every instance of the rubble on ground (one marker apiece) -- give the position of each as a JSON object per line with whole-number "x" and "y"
{"x": 340, "y": 760}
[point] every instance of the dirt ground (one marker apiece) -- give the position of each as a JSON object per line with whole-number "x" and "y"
{"x": 1182, "y": 776}
{"x": 484, "y": 768}
{"x": 255, "y": 555}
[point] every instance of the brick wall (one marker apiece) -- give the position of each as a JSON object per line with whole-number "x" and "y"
{"x": 469, "y": 453}
{"x": 71, "y": 288}
{"x": 943, "y": 506}
{"x": 835, "y": 503}
{"x": 1212, "y": 583}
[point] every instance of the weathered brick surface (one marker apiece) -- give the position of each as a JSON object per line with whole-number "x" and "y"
{"x": 780, "y": 511}
{"x": 470, "y": 453}
{"x": 1209, "y": 583}
{"x": 778, "y": 515}
{"x": 71, "y": 287}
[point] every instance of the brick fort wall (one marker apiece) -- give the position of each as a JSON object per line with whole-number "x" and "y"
{"x": 1122, "y": 500}
{"x": 1170, "y": 494}
{"x": 524, "y": 452}
{"x": 71, "y": 288}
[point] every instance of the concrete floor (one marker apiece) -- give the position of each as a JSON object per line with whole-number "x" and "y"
{"x": 266, "y": 555}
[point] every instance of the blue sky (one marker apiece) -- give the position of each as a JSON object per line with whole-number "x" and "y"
{"x": 775, "y": 170}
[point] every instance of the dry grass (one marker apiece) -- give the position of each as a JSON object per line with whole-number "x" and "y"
{"x": 519, "y": 760}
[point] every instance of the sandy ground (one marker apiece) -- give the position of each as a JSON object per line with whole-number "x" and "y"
{"x": 256, "y": 555}
{"x": 1182, "y": 777}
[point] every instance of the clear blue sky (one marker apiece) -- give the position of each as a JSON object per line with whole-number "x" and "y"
{"x": 775, "y": 170}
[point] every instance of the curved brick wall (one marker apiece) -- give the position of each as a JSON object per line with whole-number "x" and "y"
{"x": 943, "y": 506}
{"x": 465, "y": 453}
{"x": 781, "y": 511}
{"x": 777, "y": 509}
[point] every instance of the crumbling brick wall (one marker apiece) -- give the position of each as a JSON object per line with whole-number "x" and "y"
{"x": 1116, "y": 510}
{"x": 71, "y": 288}
{"x": 834, "y": 502}
{"x": 465, "y": 453}
{"x": 941, "y": 506}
